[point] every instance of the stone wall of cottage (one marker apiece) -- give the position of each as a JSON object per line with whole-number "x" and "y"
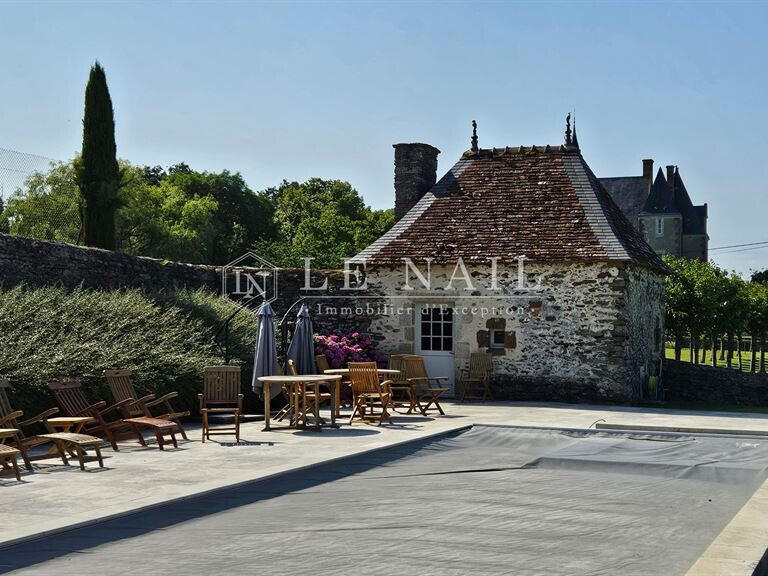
{"x": 583, "y": 334}
{"x": 642, "y": 322}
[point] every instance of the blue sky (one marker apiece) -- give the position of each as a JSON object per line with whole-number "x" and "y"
{"x": 291, "y": 91}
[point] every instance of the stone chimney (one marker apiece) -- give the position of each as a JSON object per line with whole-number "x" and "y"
{"x": 415, "y": 174}
{"x": 671, "y": 179}
{"x": 648, "y": 171}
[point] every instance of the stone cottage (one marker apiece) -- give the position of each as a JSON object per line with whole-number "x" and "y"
{"x": 522, "y": 253}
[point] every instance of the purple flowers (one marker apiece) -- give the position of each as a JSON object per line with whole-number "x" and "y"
{"x": 352, "y": 347}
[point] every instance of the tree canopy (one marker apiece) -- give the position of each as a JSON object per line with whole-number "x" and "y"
{"x": 205, "y": 217}
{"x": 326, "y": 220}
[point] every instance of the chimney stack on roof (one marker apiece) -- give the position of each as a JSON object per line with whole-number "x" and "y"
{"x": 415, "y": 174}
{"x": 648, "y": 172}
{"x": 671, "y": 179}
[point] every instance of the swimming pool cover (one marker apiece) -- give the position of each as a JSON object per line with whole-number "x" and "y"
{"x": 489, "y": 500}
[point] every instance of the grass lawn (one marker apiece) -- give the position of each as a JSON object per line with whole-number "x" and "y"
{"x": 746, "y": 357}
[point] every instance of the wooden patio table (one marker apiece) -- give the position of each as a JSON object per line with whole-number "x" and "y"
{"x": 301, "y": 380}
{"x": 74, "y": 424}
{"x": 344, "y": 372}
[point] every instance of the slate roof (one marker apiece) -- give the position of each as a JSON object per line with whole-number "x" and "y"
{"x": 629, "y": 193}
{"x": 664, "y": 200}
{"x": 661, "y": 199}
{"x": 541, "y": 202}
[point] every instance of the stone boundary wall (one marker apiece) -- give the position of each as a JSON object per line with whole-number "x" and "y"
{"x": 38, "y": 263}
{"x": 688, "y": 382}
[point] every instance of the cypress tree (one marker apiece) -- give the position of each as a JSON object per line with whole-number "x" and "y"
{"x": 98, "y": 175}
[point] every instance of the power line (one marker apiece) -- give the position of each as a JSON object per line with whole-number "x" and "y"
{"x": 739, "y": 250}
{"x": 738, "y": 245}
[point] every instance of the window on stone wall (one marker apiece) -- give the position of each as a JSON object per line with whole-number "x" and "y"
{"x": 657, "y": 336}
{"x": 659, "y": 226}
{"x": 497, "y": 340}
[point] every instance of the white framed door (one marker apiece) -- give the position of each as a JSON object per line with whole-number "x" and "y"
{"x": 434, "y": 333}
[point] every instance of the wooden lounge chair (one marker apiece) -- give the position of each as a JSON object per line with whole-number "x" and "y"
{"x": 72, "y": 401}
{"x": 424, "y": 394}
{"x": 59, "y": 441}
{"x": 368, "y": 392}
{"x": 475, "y": 383}
{"x": 8, "y": 456}
{"x": 122, "y": 389}
{"x": 221, "y": 395}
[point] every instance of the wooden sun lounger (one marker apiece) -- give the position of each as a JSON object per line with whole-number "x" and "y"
{"x": 8, "y": 459}
{"x": 60, "y": 441}
{"x": 122, "y": 389}
{"x": 69, "y": 395}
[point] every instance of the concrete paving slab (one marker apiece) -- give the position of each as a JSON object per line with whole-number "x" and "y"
{"x": 139, "y": 478}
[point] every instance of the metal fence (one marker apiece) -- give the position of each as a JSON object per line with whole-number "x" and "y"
{"x": 31, "y": 204}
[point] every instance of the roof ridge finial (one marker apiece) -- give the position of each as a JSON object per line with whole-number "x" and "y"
{"x": 474, "y": 136}
{"x": 575, "y": 138}
{"x": 568, "y": 129}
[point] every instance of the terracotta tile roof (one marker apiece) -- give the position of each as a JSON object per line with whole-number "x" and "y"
{"x": 541, "y": 202}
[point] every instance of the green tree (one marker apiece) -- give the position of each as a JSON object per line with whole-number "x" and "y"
{"x": 163, "y": 222}
{"x": 46, "y": 207}
{"x": 98, "y": 174}
{"x": 326, "y": 220}
{"x": 4, "y": 224}
{"x": 761, "y": 276}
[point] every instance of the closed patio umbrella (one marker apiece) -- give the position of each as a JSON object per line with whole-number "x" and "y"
{"x": 302, "y": 348}
{"x": 265, "y": 355}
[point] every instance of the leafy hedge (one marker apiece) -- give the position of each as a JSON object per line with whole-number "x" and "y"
{"x": 48, "y": 333}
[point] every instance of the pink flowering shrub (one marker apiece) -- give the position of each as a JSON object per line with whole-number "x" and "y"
{"x": 352, "y": 347}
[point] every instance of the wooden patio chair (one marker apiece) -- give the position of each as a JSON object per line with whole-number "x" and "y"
{"x": 122, "y": 389}
{"x": 59, "y": 441}
{"x": 308, "y": 396}
{"x": 399, "y": 388}
{"x": 322, "y": 363}
{"x": 475, "y": 382}
{"x": 72, "y": 401}
{"x": 368, "y": 392}
{"x": 424, "y": 394}
{"x": 221, "y": 395}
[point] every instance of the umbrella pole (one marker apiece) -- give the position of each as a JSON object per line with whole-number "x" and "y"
{"x": 284, "y": 332}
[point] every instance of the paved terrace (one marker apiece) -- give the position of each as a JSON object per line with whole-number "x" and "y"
{"x": 57, "y": 497}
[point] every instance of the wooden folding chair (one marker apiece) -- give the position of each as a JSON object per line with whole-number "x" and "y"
{"x": 307, "y": 397}
{"x": 59, "y": 440}
{"x": 122, "y": 389}
{"x": 400, "y": 388}
{"x": 8, "y": 459}
{"x": 475, "y": 382}
{"x": 221, "y": 395}
{"x": 368, "y": 392}
{"x": 72, "y": 401}
{"x": 322, "y": 363}
{"x": 424, "y": 394}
